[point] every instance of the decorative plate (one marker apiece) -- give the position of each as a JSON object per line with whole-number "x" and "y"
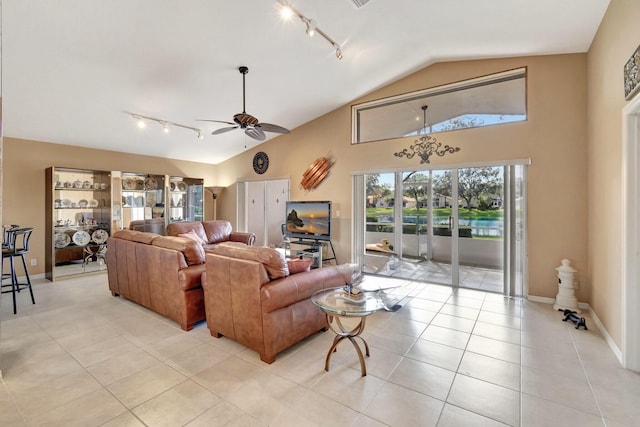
{"x": 93, "y": 203}
{"x": 61, "y": 240}
{"x": 260, "y": 162}
{"x": 151, "y": 183}
{"x": 128, "y": 184}
{"x": 172, "y": 186}
{"x": 83, "y": 203}
{"x": 65, "y": 203}
{"x": 181, "y": 186}
{"x": 81, "y": 238}
{"x": 139, "y": 184}
{"x": 99, "y": 236}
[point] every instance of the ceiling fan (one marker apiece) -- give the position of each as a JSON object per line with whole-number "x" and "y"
{"x": 252, "y": 127}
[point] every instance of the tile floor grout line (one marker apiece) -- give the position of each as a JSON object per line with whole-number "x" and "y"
{"x": 584, "y": 371}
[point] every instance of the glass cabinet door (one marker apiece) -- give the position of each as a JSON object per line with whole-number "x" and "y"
{"x": 78, "y": 221}
{"x": 142, "y": 197}
{"x": 186, "y": 199}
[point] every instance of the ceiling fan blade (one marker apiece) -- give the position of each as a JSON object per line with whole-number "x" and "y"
{"x": 215, "y": 121}
{"x": 268, "y": 127}
{"x": 255, "y": 133}
{"x": 223, "y": 130}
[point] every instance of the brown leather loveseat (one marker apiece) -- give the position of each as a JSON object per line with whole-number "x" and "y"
{"x": 252, "y": 298}
{"x": 211, "y": 232}
{"x": 162, "y": 273}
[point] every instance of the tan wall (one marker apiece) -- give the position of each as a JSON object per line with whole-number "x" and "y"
{"x": 616, "y": 40}
{"x": 554, "y": 138}
{"x": 24, "y": 173}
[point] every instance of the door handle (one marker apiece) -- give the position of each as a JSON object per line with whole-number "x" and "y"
{"x": 450, "y": 222}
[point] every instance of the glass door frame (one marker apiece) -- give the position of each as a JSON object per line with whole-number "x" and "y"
{"x": 515, "y": 242}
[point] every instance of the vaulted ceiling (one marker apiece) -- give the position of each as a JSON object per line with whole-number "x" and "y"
{"x": 73, "y": 70}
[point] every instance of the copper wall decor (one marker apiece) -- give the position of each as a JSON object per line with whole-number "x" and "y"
{"x": 425, "y": 147}
{"x": 316, "y": 173}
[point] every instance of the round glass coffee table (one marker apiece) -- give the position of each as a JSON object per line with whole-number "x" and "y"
{"x": 336, "y": 304}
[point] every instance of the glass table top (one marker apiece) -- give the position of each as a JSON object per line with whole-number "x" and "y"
{"x": 337, "y": 301}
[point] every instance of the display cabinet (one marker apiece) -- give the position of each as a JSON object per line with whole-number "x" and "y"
{"x": 185, "y": 199}
{"x": 78, "y": 221}
{"x": 142, "y": 197}
{"x": 146, "y": 200}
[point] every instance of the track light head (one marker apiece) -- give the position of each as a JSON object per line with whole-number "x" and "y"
{"x": 310, "y": 30}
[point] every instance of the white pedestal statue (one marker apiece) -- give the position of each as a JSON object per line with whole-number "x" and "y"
{"x": 566, "y": 298}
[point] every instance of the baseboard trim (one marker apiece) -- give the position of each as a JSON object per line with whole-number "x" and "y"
{"x": 587, "y": 308}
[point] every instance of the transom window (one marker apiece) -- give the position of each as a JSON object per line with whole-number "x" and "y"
{"x": 483, "y": 101}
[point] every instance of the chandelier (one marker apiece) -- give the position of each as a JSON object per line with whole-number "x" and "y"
{"x": 426, "y": 145}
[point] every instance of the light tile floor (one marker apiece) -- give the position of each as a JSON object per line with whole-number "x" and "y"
{"x": 81, "y": 357}
{"x": 470, "y": 277}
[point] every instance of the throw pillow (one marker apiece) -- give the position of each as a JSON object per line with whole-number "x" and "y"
{"x": 193, "y": 236}
{"x": 299, "y": 265}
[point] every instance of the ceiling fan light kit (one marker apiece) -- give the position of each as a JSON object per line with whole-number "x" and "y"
{"x": 251, "y": 125}
{"x": 164, "y": 123}
{"x": 287, "y": 11}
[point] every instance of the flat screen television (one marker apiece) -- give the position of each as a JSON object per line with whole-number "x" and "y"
{"x": 308, "y": 220}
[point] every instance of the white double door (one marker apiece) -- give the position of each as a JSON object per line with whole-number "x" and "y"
{"x": 261, "y": 209}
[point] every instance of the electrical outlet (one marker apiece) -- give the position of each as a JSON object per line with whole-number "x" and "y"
{"x": 34, "y": 262}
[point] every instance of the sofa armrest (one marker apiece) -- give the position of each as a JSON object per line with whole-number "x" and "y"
{"x": 289, "y": 290}
{"x": 232, "y": 295}
{"x": 247, "y": 238}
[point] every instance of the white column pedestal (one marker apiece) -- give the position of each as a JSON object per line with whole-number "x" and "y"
{"x": 566, "y": 298}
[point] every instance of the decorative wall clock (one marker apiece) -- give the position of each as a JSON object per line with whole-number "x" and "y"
{"x": 260, "y": 162}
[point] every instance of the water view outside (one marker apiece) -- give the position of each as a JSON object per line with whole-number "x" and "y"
{"x": 482, "y": 224}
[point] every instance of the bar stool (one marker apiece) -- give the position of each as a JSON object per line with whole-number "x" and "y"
{"x": 6, "y": 229}
{"x": 17, "y": 244}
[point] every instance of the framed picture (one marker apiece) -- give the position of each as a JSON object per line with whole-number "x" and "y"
{"x": 632, "y": 75}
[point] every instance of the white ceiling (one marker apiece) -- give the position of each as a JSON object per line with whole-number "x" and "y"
{"x": 71, "y": 69}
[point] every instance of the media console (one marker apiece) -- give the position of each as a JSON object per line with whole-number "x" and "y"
{"x": 314, "y": 249}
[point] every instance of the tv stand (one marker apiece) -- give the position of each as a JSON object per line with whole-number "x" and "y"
{"x": 316, "y": 250}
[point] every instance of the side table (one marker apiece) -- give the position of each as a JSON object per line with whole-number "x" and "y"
{"x": 335, "y": 303}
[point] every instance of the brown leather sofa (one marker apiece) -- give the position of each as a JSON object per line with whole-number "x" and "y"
{"x": 162, "y": 273}
{"x": 251, "y": 298}
{"x": 211, "y": 232}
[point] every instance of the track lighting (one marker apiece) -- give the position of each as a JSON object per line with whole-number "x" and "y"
{"x": 287, "y": 11}
{"x": 164, "y": 123}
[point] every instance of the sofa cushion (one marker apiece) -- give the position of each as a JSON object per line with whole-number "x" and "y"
{"x": 136, "y": 236}
{"x": 217, "y": 231}
{"x": 298, "y": 265}
{"x": 176, "y": 228}
{"x": 272, "y": 260}
{"x": 192, "y": 251}
{"x": 193, "y": 236}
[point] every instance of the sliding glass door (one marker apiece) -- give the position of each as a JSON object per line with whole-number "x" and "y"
{"x": 462, "y": 227}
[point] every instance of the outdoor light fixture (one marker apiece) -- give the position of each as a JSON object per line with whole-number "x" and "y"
{"x": 164, "y": 123}
{"x": 287, "y": 11}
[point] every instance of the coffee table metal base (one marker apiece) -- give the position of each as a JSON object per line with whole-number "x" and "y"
{"x": 343, "y": 332}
